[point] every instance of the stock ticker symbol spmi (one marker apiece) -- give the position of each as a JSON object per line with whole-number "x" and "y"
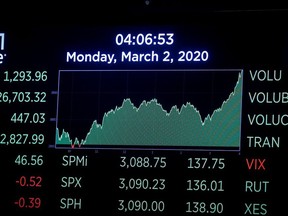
{"x": 2, "y": 54}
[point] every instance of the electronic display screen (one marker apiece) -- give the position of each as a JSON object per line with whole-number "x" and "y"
{"x": 154, "y": 111}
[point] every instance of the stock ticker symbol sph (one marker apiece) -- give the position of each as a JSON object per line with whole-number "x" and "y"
{"x": 2, "y": 54}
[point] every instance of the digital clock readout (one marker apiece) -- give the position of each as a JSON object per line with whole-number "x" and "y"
{"x": 145, "y": 39}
